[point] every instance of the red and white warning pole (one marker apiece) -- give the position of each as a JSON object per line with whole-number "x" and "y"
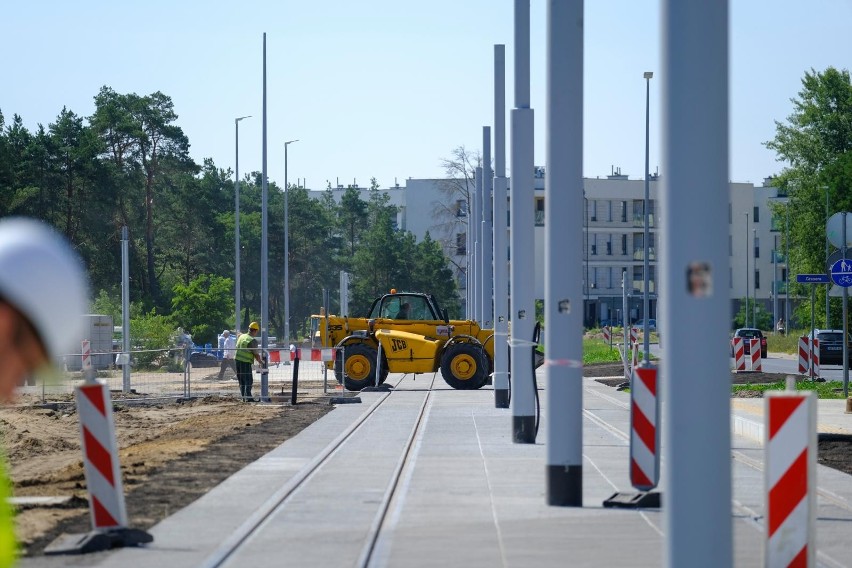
{"x": 607, "y": 333}
{"x": 804, "y": 355}
{"x": 739, "y": 353}
{"x": 644, "y": 430}
{"x": 100, "y": 457}
{"x": 791, "y": 450}
{"x": 87, "y": 355}
{"x": 754, "y": 354}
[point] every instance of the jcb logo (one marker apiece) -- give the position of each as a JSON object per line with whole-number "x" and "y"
{"x": 398, "y": 345}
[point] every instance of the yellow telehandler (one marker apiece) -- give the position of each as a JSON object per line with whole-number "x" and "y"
{"x": 415, "y": 335}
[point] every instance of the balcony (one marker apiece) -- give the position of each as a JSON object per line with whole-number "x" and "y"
{"x": 639, "y": 254}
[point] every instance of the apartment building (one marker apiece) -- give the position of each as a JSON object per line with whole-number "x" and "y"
{"x": 614, "y": 248}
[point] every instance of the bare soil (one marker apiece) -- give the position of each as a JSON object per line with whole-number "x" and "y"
{"x": 835, "y": 450}
{"x": 171, "y": 453}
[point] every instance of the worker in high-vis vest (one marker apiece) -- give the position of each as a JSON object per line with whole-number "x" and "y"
{"x": 43, "y": 295}
{"x": 247, "y": 353}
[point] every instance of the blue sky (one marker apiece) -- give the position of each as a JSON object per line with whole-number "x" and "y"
{"x": 387, "y": 88}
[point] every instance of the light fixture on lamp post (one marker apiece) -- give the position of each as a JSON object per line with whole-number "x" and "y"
{"x": 647, "y": 266}
{"x": 286, "y": 249}
{"x": 237, "y": 224}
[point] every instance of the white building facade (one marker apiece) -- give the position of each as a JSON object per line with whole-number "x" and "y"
{"x": 614, "y": 239}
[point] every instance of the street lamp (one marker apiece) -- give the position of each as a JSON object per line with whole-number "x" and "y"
{"x": 748, "y": 292}
{"x": 286, "y": 250}
{"x": 237, "y": 224}
{"x": 645, "y": 296}
{"x": 756, "y": 274}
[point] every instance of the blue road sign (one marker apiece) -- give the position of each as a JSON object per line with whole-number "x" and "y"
{"x": 812, "y": 278}
{"x": 841, "y": 272}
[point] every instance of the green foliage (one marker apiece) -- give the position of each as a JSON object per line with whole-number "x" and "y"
{"x": 150, "y": 333}
{"x": 757, "y": 316}
{"x": 108, "y": 304}
{"x": 203, "y": 307}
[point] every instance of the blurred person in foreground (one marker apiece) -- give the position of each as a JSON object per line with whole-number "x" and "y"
{"x": 43, "y": 295}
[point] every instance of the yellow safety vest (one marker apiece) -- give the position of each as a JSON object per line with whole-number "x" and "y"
{"x": 244, "y": 354}
{"x": 8, "y": 545}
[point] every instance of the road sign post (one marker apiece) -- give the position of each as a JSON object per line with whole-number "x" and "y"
{"x": 841, "y": 274}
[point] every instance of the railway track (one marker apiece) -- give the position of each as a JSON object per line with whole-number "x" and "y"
{"x": 329, "y": 461}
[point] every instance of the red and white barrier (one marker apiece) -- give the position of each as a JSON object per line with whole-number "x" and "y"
{"x": 87, "y": 355}
{"x": 805, "y": 359}
{"x": 607, "y": 333}
{"x": 739, "y": 353}
{"x": 634, "y": 334}
{"x": 326, "y": 354}
{"x": 100, "y": 457}
{"x": 644, "y": 431}
{"x": 754, "y": 354}
{"x": 635, "y": 354}
{"x": 790, "y": 446}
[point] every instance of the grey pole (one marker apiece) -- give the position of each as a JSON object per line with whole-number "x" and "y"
{"x": 522, "y": 205}
{"x": 845, "y": 320}
{"x": 286, "y": 249}
{"x": 563, "y": 292}
{"x": 625, "y": 354}
{"x": 827, "y": 288}
{"x": 477, "y": 246}
{"x": 774, "y": 287}
{"x": 237, "y": 224}
{"x": 125, "y": 308}
{"x": 646, "y": 312}
{"x": 264, "y": 249}
{"x": 697, "y": 440}
{"x": 748, "y": 287}
{"x": 501, "y": 260}
{"x": 787, "y": 262}
{"x": 486, "y": 266}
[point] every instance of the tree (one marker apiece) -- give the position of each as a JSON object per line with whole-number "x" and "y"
{"x": 816, "y": 145}
{"x": 203, "y": 306}
{"x": 451, "y": 213}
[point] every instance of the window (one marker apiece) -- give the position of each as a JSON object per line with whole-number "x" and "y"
{"x": 609, "y": 211}
{"x": 730, "y": 215}
{"x": 593, "y": 210}
{"x": 623, "y": 211}
{"x": 624, "y": 244}
{"x": 609, "y": 281}
{"x": 461, "y": 208}
{"x": 756, "y": 214}
{"x": 730, "y": 278}
{"x": 730, "y": 245}
{"x": 756, "y": 279}
{"x": 756, "y": 247}
{"x": 594, "y": 280}
{"x": 609, "y": 246}
{"x": 594, "y": 245}
{"x": 461, "y": 244}
{"x": 539, "y": 211}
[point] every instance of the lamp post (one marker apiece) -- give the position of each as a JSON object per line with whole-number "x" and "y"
{"x": 756, "y": 274}
{"x": 747, "y": 278}
{"x": 647, "y": 265}
{"x": 827, "y": 303}
{"x": 286, "y": 250}
{"x": 237, "y": 224}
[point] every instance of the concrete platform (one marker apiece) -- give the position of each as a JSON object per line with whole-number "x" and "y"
{"x": 466, "y": 495}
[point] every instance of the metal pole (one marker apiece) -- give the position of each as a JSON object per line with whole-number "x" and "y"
{"x": 522, "y": 204}
{"x": 501, "y": 260}
{"x": 788, "y": 321}
{"x": 774, "y": 283}
{"x": 748, "y": 287}
{"x": 563, "y": 294}
{"x": 487, "y": 204}
{"x": 264, "y": 251}
{"x": 646, "y": 312}
{"x": 694, "y": 75}
{"x": 624, "y": 322}
{"x": 754, "y": 296}
{"x": 125, "y": 308}
{"x": 237, "y": 224}
{"x": 477, "y": 246}
{"x": 827, "y": 288}
{"x": 811, "y": 342}
{"x": 286, "y": 248}
{"x": 845, "y": 319}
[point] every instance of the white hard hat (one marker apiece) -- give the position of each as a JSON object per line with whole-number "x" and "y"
{"x": 43, "y": 278}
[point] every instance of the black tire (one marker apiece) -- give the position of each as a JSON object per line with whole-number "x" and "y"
{"x": 464, "y": 366}
{"x": 359, "y": 367}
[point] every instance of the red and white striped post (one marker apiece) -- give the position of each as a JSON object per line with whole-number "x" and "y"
{"x": 635, "y": 354}
{"x": 634, "y": 334}
{"x": 791, "y": 450}
{"x": 804, "y": 355}
{"x": 607, "y": 333}
{"x": 754, "y": 354}
{"x": 739, "y": 353}
{"x": 815, "y": 358}
{"x": 644, "y": 431}
{"x": 87, "y": 355}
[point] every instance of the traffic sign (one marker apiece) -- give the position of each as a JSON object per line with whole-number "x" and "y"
{"x": 841, "y": 272}
{"x": 834, "y": 229}
{"x": 812, "y": 278}
{"x": 835, "y": 256}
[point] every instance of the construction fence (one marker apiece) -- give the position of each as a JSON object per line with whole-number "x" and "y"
{"x": 186, "y": 373}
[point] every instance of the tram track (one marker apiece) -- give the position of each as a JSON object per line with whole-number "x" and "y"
{"x": 277, "y": 503}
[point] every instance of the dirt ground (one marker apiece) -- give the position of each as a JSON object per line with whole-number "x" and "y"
{"x": 172, "y": 452}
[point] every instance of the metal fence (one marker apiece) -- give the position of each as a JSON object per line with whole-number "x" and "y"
{"x": 185, "y": 373}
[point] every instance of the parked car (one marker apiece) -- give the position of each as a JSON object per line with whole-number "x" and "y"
{"x": 750, "y": 333}
{"x": 830, "y": 346}
{"x": 652, "y": 324}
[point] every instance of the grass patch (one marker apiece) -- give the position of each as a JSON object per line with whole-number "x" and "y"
{"x": 833, "y": 389}
{"x": 598, "y": 351}
{"x": 784, "y": 343}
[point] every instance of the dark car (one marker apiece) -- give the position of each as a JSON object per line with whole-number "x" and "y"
{"x": 830, "y": 346}
{"x": 750, "y": 333}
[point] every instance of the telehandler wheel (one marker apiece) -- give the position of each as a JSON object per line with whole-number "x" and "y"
{"x": 464, "y": 366}
{"x": 359, "y": 367}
